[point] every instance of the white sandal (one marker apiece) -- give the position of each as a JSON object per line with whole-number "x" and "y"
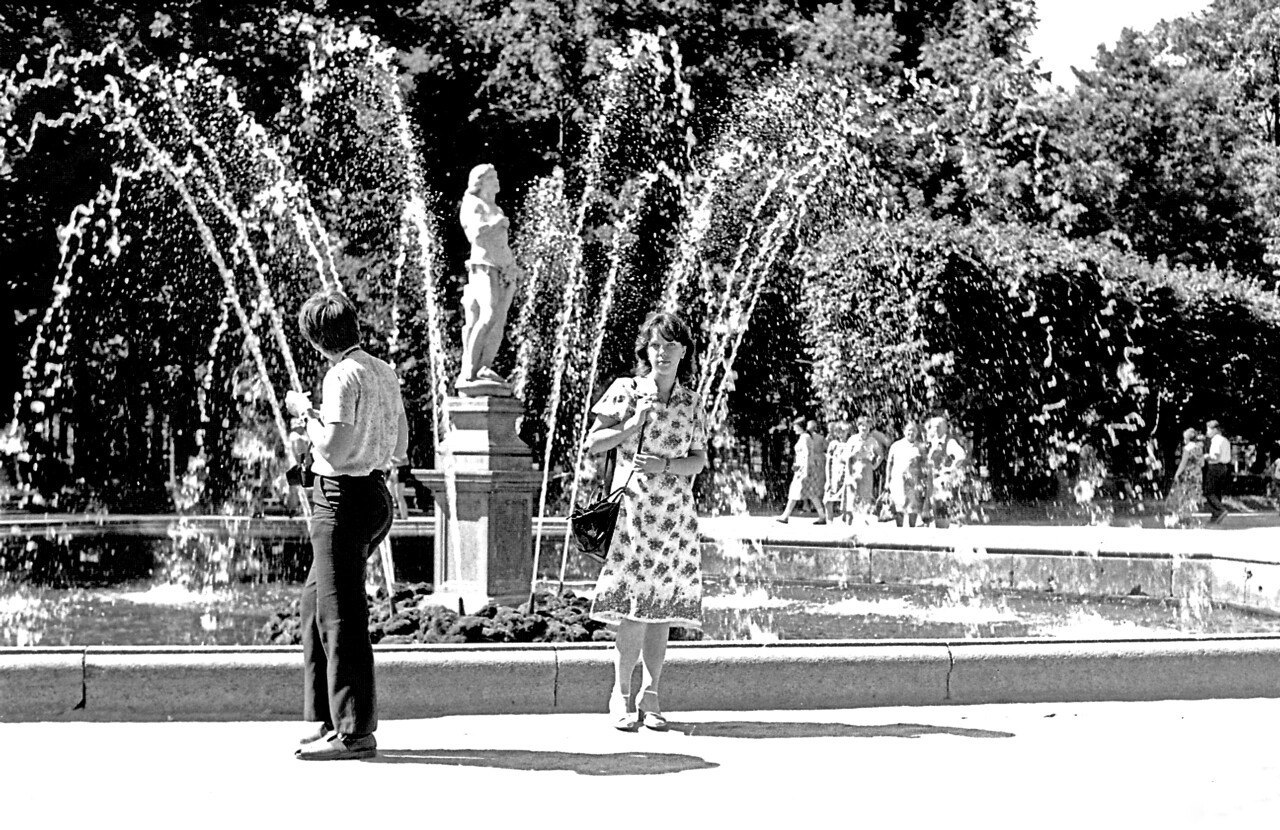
{"x": 623, "y": 720}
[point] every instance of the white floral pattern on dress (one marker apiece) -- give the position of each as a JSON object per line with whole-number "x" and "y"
{"x": 653, "y": 571}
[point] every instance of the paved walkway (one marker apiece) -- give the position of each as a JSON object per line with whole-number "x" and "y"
{"x": 1166, "y": 764}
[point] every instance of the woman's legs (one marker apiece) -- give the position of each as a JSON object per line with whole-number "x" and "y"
{"x": 630, "y": 642}
{"x": 653, "y": 655}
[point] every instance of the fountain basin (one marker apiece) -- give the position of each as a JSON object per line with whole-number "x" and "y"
{"x": 112, "y": 682}
{"x": 785, "y": 582}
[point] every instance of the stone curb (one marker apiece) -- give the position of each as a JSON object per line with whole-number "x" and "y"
{"x": 263, "y": 683}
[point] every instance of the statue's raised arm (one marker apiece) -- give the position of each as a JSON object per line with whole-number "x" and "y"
{"x": 492, "y": 276}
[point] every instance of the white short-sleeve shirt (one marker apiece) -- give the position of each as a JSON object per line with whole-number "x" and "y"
{"x": 362, "y": 391}
{"x": 1219, "y": 450}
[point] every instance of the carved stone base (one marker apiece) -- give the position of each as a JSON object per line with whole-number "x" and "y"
{"x": 483, "y": 435}
{"x": 484, "y": 542}
{"x": 485, "y": 489}
{"x": 483, "y": 388}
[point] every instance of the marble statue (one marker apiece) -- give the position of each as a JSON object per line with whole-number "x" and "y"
{"x": 492, "y": 276}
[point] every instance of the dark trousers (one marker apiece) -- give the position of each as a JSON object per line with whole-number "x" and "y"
{"x": 1214, "y": 487}
{"x": 350, "y": 517}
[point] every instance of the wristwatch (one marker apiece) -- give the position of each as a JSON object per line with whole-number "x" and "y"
{"x": 666, "y": 464}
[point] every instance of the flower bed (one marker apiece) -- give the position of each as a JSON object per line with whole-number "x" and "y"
{"x": 555, "y": 618}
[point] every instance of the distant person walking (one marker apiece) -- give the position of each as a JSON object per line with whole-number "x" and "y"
{"x": 652, "y": 578}
{"x": 1188, "y": 479}
{"x": 806, "y": 479}
{"x": 1217, "y": 471}
{"x": 358, "y": 434}
{"x": 818, "y": 461}
{"x": 905, "y": 475}
{"x": 1273, "y": 478}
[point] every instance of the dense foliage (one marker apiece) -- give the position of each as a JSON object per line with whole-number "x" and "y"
{"x": 1036, "y": 345}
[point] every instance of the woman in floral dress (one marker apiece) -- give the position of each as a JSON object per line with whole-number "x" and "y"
{"x": 905, "y": 475}
{"x": 944, "y": 467}
{"x": 1188, "y": 481}
{"x": 652, "y": 577}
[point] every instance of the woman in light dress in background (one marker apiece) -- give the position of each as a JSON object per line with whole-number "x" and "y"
{"x": 1188, "y": 479}
{"x": 905, "y": 475}
{"x": 863, "y": 453}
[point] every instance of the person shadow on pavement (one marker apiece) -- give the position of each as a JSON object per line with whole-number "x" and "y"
{"x": 583, "y": 763}
{"x": 769, "y": 729}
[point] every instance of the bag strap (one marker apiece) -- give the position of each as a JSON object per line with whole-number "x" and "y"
{"x": 611, "y": 462}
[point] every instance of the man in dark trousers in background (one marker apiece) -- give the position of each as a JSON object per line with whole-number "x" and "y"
{"x": 1217, "y": 471}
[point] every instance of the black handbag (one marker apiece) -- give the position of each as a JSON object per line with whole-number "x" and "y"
{"x": 593, "y": 525}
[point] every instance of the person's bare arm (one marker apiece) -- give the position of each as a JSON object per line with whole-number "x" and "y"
{"x": 607, "y": 432}
{"x": 332, "y": 441}
{"x": 400, "y": 456}
{"x": 685, "y": 465}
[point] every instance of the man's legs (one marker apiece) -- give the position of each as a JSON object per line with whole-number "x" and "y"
{"x": 342, "y": 614}
{"x": 1214, "y": 479}
{"x": 315, "y": 666}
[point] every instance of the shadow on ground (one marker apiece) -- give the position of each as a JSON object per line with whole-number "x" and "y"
{"x": 758, "y": 729}
{"x": 618, "y": 763}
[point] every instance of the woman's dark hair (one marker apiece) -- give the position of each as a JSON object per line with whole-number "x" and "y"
{"x": 668, "y": 326}
{"x": 328, "y": 320}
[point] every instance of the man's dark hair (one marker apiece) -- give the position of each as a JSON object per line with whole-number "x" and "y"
{"x": 328, "y": 320}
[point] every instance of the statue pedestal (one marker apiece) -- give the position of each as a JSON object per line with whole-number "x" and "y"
{"x": 485, "y": 491}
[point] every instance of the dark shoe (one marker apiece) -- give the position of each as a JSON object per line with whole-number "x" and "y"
{"x": 322, "y": 732}
{"x": 781, "y": 520}
{"x": 820, "y": 522}
{"x": 339, "y": 748}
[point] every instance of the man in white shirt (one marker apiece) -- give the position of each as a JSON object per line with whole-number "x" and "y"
{"x": 359, "y": 433}
{"x": 1217, "y": 471}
